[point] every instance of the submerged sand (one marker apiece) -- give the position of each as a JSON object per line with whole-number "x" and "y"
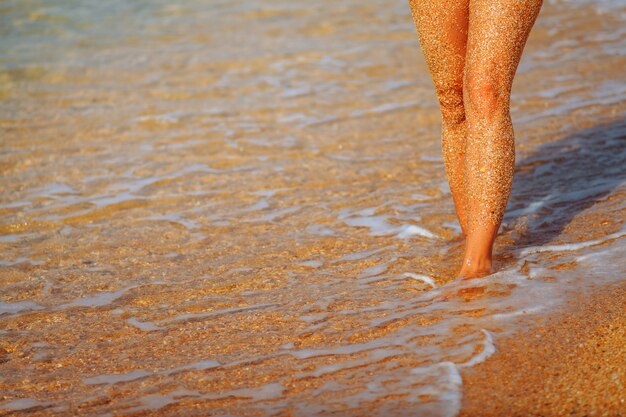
{"x": 240, "y": 208}
{"x": 570, "y": 364}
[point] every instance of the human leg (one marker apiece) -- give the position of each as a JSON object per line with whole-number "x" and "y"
{"x": 442, "y": 30}
{"x": 498, "y": 30}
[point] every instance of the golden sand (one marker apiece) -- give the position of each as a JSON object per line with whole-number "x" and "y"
{"x": 571, "y": 364}
{"x": 241, "y": 208}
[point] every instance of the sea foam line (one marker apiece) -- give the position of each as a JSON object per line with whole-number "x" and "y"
{"x": 488, "y": 350}
{"x": 428, "y": 280}
{"x": 572, "y": 246}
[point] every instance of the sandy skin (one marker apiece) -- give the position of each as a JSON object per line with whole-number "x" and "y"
{"x": 473, "y": 50}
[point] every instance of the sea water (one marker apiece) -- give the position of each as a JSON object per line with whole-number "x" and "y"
{"x": 240, "y": 208}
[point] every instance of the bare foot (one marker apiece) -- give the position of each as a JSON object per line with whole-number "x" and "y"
{"x": 477, "y": 261}
{"x": 476, "y": 267}
{"x": 474, "y": 273}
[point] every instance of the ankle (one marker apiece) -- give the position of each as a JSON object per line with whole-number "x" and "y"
{"x": 480, "y": 262}
{"x": 479, "y": 248}
{"x": 475, "y": 267}
{"x": 477, "y": 255}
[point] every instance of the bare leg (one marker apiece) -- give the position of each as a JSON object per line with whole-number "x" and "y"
{"x": 498, "y": 30}
{"x": 442, "y": 30}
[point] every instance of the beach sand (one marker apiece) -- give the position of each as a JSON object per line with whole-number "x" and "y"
{"x": 570, "y": 364}
{"x": 241, "y": 208}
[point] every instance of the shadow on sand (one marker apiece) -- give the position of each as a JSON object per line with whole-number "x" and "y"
{"x": 561, "y": 179}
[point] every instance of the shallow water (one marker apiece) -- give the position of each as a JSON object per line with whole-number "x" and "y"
{"x": 241, "y": 209}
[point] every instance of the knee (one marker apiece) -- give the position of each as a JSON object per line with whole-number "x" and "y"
{"x": 485, "y": 96}
{"x": 451, "y": 104}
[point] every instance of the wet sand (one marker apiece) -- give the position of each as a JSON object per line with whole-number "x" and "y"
{"x": 197, "y": 219}
{"x": 570, "y": 364}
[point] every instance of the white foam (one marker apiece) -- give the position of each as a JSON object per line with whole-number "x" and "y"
{"x": 259, "y": 205}
{"x": 320, "y": 230}
{"x": 454, "y": 226}
{"x": 194, "y": 366}
{"x": 21, "y": 404}
{"x": 340, "y": 350}
{"x": 143, "y": 325}
{"x": 600, "y": 256}
{"x": 314, "y": 263}
{"x": 115, "y": 378}
{"x": 261, "y": 393}
{"x": 379, "y": 226}
{"x": 98, "y": 300}
{"x": 447, "y": 389}
{"x": 533, "y": 207}
{"x": 20, "y": 260}
{"x": 158, "y": 401}
{"x": 507, "y": 316}
{"x": 111, "y": 379}
{"x": 572, "y": 246}
{"x": 19, "y": 307}
{"x": 375, "y": 270}
{"x": 488, "y": 350}
{"x": 374, "y": 356}
{"x": 409, "y": 230}
{"x": 420, "y": 197}
{"x": 423, "y": 278}
{"x": 312, "y": 318}
{"x": 12, "y": 238}
{"x": 360, "y": 255}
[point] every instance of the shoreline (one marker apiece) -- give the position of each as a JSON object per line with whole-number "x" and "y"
{"x": 243, "y": 209}
{"x": 572, "y": 363}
